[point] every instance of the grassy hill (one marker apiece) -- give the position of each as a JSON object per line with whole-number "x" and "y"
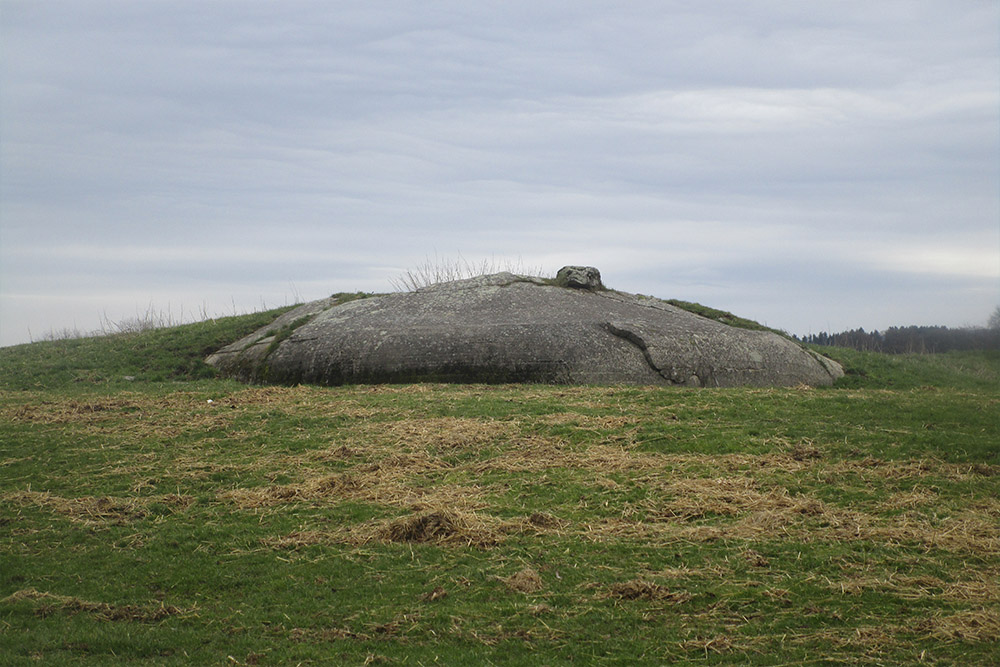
{"x": 151, "y": 513}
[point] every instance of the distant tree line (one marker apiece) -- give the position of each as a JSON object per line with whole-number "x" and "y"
{"x": 908, "y": 340}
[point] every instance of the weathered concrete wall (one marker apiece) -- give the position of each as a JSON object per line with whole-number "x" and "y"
{"x": 508, "y": 328}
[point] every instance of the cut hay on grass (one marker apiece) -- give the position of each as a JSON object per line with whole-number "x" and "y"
{"x": 398, "y": 482}
{"x": 984, "y": 589}
{"x": 69, "y": 411}
{"x": 971, "y": 625}
{"x": 694, "y": 497}
{"x": 133, "y": 416}
{"x": 676, "y": 507}
{"x": 99, "y": 510}
{"x": 582, "y": 524}
{"x": 964, "y": 533}
{"x": 687, "y": 497}
{"x": 327, "y": 487}
{"x": 177, "y": 413}
{"x": 443, "y": 433}
{"x": 47, "y": 604}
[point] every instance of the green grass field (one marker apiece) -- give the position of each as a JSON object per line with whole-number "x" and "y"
{"x": 150, "y": 513}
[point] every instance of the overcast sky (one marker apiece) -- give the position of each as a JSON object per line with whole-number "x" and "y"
{"x": 811, "y": 165}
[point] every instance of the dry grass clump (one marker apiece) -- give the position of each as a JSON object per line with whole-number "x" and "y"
{"x": 717, "y": 644}
{"x": 439, "y": 526}
{"x": 446, "y": 269}
{"x": 428, "y": 525}
{"x": 872, "y": 640}
{"x": 526, "y": 580}
{"x": 806, "y": 451}
{"x": 324, "y": 635}
{"x": 301, "y": 399}
{"x": 641, "y": 589}
{"x": 984, "y": 588}
{"x": 49, "y": 603}
{"x": 909, "y": 588}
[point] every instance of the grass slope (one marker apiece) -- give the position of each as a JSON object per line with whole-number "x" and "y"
{"x": 173, "y": 353}
{"x": 177, "y": 518}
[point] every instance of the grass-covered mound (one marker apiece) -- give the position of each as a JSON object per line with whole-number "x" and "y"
{"x": 179, "y": 518}
{"x": 154, "y": 355}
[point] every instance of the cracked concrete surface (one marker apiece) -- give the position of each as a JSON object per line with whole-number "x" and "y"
{"x": 510, "y": 328}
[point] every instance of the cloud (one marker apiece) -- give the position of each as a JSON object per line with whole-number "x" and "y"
{"x": 209, "y": 146}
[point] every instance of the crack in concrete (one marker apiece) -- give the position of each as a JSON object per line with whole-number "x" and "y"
{"x": 637, "y": 340}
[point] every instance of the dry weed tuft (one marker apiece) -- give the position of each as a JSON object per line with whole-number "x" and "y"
{"x": 300, "y": 539}
{"x": 524, "y": 581}
{"x": 641, "y": 589}
{"x": 755, "y": 559}
{"x": 438, "y": 526}
{"x": 717, "y": 644}
{"x": 433, "y": 595}
{"x": 324, "y": 635}
{"x": 805, "y": 451}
